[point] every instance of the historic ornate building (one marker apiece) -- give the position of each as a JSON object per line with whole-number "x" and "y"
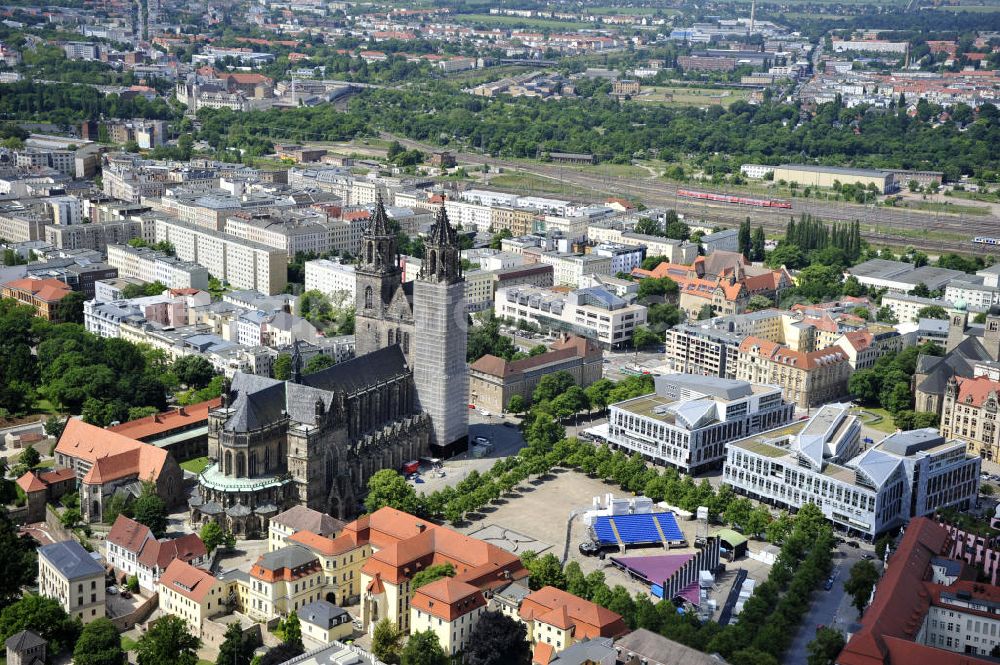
{"x": 316, "y": 439}
{"x": 383, "y": 302}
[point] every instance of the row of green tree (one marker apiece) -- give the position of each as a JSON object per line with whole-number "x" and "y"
{"x": 769, "y": 619}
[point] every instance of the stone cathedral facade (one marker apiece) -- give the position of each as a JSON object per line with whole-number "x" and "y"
{"x": 316, "y": 439}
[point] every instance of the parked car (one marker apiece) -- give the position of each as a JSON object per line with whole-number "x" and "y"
{"x": 851, "y": 543}
{"x": 868, "y": 556}
{"x": 126, "y": 594}
{"x": 828, "y": 584}
{"x": 112, "y": 590}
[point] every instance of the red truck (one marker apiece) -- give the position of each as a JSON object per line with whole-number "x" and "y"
{"x": 410, "y": 467}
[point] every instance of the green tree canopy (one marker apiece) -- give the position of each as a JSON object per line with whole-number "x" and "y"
{"x": 168, "y": 642}
{"x": 44, "y": 616}
{"x": 99, "y": 644}
{"x": 388, "y": 488}
{"x": 424, "y": 648}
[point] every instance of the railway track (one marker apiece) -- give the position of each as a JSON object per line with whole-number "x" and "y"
{"x": 877, "y": 223}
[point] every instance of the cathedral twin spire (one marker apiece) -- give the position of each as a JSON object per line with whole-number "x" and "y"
{"x": 441, "y": 262}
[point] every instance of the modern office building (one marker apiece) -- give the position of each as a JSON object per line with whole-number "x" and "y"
{"x": 863, "y": 491}
{"x": 592, "y": 312}
{"x": 688, "y": 421}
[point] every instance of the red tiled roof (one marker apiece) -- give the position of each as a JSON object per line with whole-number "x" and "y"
{"x": 974, "y": 391}
{"x": 571, "y": 348}
{"x": 161, "y": 423}
{"x": 568, "y": 612}
{"x": 542, "y": 654}
{"x": 160, "y": 553}
{"x": 448, "y": 598}
{"x": 46, "y": 290}
{"x": 112, "y": 455}
{"x": 187, "y": 580}
{"x": 29, "y": 482}
{"x": 779, "y": 353}
{"x": 896, "y": 614}
{"x": 57, "y": 476}
{"x": 129, "y": 534}
{"x": 326, "y": 546}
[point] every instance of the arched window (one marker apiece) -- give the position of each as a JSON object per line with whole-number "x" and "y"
{"x": 432, "y": 262}
{"x": 391, "y": 335}
{"x": 368, "y": 297}
{"x": 406, "y": 342}
{"x": 370, "y": 253}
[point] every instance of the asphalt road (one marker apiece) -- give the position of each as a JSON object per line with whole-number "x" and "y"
{"x": 828, "y": 608}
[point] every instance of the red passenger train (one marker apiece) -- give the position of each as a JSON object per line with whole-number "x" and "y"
{"x": 739, "y": 200}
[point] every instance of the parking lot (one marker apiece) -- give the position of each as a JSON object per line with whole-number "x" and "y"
{"x": 502, "y": 433}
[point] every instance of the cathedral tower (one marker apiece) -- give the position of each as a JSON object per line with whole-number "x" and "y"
{"x": 383, "y": 313}
{"x": 439, "y": 367}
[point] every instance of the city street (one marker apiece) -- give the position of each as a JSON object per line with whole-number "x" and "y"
{"x": 828, "y": 608}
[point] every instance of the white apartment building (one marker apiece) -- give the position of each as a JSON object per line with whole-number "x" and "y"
{"x": 469, "y": 215}
{"x": 479, "y": 290}
{"x": 241, "y": 263}
{"x": 593, "y": 312}
{"x": 66, "y": 210}
{"x": 973, "y": 291}
{"x": 70, "y": 575}
{"x": 568, "y": 269}
{"x": 905, "y": 307}
{"x": 624, "y": 258}
{"x": 906, "y": 475}
{"x": 689, "y": 420}
{"x": 345, "y": 234}
{"x": 756, "y": 171}
{"x": 330, "y": 277}
{"x": 488, "y": 198}
{"x": 152, "y": 266}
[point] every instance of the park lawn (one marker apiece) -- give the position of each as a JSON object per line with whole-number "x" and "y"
{"x": 680, "y": 96}
{"x": 886, "y": 425}
{"x": 45, "y": 406}
{"x": 612, "y": 170}
{"x": 128, "y": 644}
{"x": 196, "y": 465}
{"x": 46, "y": 464}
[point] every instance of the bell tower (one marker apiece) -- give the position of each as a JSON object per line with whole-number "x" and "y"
{"x": 440, "y": 370}
{"x": 377, "y": 278}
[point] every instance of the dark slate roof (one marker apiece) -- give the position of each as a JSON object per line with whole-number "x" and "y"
{"x": 360, "y": 373}
{"x": 291, "y": 556}
{"x": 958, "y": 362}
{"x": 259, "y": 401}
{"x": 23, "y": 641}
{"x": 322, "y": 613}
{"x": 71, "y": 560}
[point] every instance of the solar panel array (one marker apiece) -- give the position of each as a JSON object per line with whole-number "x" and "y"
{"x": 637, "y": 528}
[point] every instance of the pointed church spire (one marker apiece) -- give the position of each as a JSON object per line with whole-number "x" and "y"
{"x": 442, "y": 233}
{"x": 378, "y": 223}
{"x": 442, "y": 260}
